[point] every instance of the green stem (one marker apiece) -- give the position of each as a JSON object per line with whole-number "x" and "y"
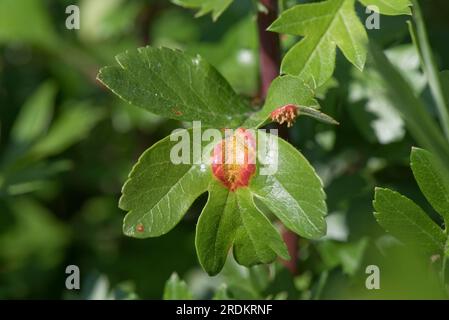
{"x": 419, "y": 35}
{"x": 320, "y": 286}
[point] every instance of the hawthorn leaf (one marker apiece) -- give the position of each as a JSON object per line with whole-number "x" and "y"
{"x": 291, "y": 189}
{"x": 283, "y": 90}
{"x": 257, "y": 241}
{"x": 405, "y": 220}
{"x": 324, "y": 25}
{"x": 389, "y": 7}
{"x": 433, "y": 180}
{"x": 158, "y": 193}
{"x": 216, "y": 7}
{"x": 173, "y": 84}
{"x": 232, "y": 218}
{"x": 216, "y": 228}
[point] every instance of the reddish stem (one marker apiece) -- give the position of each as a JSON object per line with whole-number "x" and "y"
{"x": 270, "y": 48}
{"x": 270, "y": 62}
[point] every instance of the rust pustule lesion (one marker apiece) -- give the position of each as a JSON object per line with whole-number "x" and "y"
{"x": 287, "y": 113}
{"x": 234, "y": 159}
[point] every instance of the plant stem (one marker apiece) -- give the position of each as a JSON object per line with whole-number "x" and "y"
{"x": 270, "y": 63}
{"x": 270, "y": 48}
{"x": 420, "y": 39}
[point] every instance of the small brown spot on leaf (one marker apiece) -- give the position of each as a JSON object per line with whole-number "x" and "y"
{"x": 177, "y": 112}
{"x": 140, "y": 228}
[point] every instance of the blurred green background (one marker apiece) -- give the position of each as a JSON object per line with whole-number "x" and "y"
{"x": 67, "y": 145}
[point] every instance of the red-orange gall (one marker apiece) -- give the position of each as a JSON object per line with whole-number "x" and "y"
{"x": 287, "y": 113}
{"x": 234, "y": 159}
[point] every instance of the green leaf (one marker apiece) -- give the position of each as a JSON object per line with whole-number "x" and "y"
{"x": 404, "y": 219}
{"x": 324, "y": 25}
{"x": 35, "y": 115}
{"x": 216, "y": 228}
{"x": 444, "y": 78}
{"x": 283, "y": 90}
{"x": 433, "y": 180}
{"x": 74, "y": 124}
{"x": 293, "y": 192}
{"x": 176, "y": 289}
{"x": 316, "y": 114}
{"x": 390, "y": 7}
{"x": 158, "y": 192}
{"x": 217, "y": 7}
{"x": 257, "y": 241}
{"x": 175, "y": 85}
{"x": 232, "y": 218}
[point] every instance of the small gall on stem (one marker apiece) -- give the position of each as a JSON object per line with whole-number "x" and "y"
{"x": 287, "y": 113}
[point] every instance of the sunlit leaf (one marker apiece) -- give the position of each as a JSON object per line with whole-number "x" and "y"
{"x": 390, "y": 7}
{"x": 324, "y": 26}
{"x": 173, "y": 84}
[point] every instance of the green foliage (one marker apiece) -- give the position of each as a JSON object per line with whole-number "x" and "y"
{"x": 16, "y": 18}
{"x": 324, "y": 25}
{"x": 390, "y": 7}
{"x": 403, "y": 218}
{"x": 23, "y": 167}
{"x": 67, "y": 145}
{"x": 176, "y": 289}
{"x": 158, "y": 193}
{"x": 412, "y": 109}
{"x": 418, "y": 33}
{"x": 231, "y": 218}
{"x": 216, "y": 7}
{"x": 34, "y": 233}
{"x": 433, "y": 180}
{"x": 345, "y": 254}
{"x": 172, "y": 84}
{"x": 35, "y": 115}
